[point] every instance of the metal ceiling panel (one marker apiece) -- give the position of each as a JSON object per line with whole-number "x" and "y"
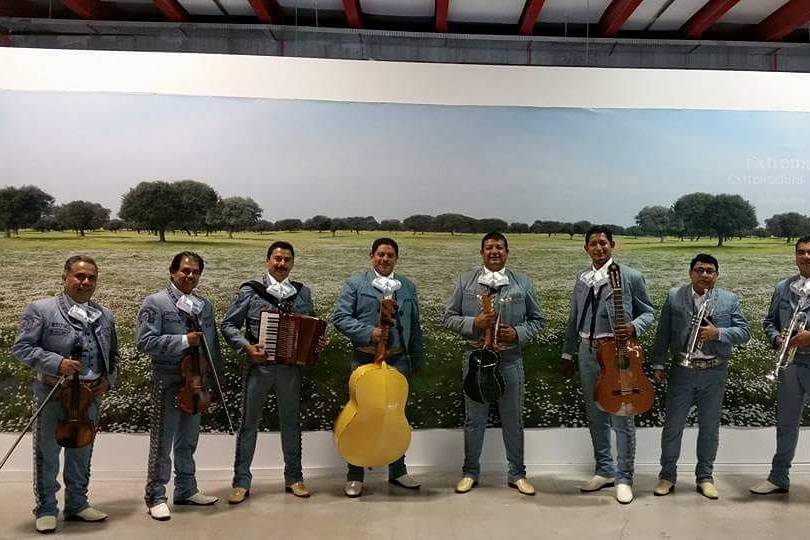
{"x": 573, "y": 11}
{"x": 200, "y": 7}
{"x": 751, "y": 11}
{"x": 485, "y": 11}
{"x": 333, "y": 5}
{"x": 674, "y": 16}
{"x": 237, "y": 7}
{"x": 399, "y": 8}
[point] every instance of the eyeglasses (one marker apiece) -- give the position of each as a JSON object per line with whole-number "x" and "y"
{"x": 707, "y": 271}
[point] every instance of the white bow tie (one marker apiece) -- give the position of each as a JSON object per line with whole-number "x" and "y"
{"x": 595, "y": 278}
{"x": 801, "y": 288}
{"x": 493, "y": 280}
{"x": 280, "y": 289}
{"x": 84, "y": 313}
{"x": 190, "y": 304}
{"x": 386, "y": 285}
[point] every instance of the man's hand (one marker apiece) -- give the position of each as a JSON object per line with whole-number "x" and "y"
{"x": 660, "y": 375}
{"x": 709, "y": 333}
{"x": 255, "y": 352}
{"x": 777, "y": 343}
{"x": 68, "y": 367}
{"x": 625, "y": 331}
{"x": 194, "y": 338}
{"x": 801, "y": 339}
{"x": 484, "y": 320}
{"x": 100, "y": 387}
{"x": 567, "y": 368}
{"x": 506, "y": 334}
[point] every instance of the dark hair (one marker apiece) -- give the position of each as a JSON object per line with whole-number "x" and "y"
{"x": 803, "y": 240}
{"x": 79, "y": 258}
{"x": 598, "y": 229}
{"x": 704, "y": 258}
{"x": 382, "y": 242}
{"x": 495, "y": 235}
{"x": 175, "y": 266}
{"x": 280, "y": 244}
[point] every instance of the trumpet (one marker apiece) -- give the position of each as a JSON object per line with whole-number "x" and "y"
{"x": 786, "y": 353}
{"x": 694, "y": 344}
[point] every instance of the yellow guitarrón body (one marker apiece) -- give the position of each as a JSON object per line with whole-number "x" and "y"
{"x": 372, "y": 430}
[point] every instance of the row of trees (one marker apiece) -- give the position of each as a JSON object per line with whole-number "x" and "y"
{"x": 195, "y": 207}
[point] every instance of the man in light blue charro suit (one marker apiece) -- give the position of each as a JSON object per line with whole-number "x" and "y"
{"x": 356, "y": 316}
{"x": 591, "y": 319}
{"x": 701, "y": 378}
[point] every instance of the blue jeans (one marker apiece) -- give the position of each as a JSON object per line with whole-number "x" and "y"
{"x": 794, "y": 384}
{"x": 170, "y": 429}
{"x": 703, "y": 388}
{"x": 510, "y": 408}
{"x": 601, "y": 423}
{"x": 397, "y": 468}
{"x": 260, "y": 380}
{"x": 76, "y": 472}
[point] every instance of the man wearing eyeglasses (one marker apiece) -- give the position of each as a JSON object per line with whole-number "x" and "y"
{"x": 699, "y": 367}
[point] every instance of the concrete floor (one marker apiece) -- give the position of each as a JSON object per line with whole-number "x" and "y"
{"x": 488, "y": 512}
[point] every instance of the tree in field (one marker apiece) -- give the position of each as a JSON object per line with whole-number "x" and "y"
{"x": 262, "y": 226}
{"x": 338, "y": 224}
{"x": 454, "y": 223}
{"x": 390, "y": 225}
{"x": 239, "y": 214}
{"x": 654, "y": 220}
{"x": 289, "y": 225}
{"x": 789, "y": 225}
{"x": 728, "y": 215}
{"x": 22, "y": 207}
{"x": 580, "y": 227}
{"x": 115, "y": 225}
{"x": 81, "y": 216}
{"x": 419, "y": 223}
{"x": 547, "y": 227}
{"x": 518, "y": 228}
{"x": 197, "y": 200}
{"x": 318, "y": 223}
{"x": 152, "y": 206}
{"x": 690, "y": 215}
{"x": 487, "y": 225}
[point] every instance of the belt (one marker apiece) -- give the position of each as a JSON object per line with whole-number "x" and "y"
{"x": 704, "y": 363}
{"x": 368, "y": 353}
{"x": 53, "y": 381}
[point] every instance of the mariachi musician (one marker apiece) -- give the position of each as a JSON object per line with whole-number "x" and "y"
{"x": 591, "y": 320}
{"x": 790, "y": 307}
{"x": 698, "y": 326}
{"x": 172, "y": 324}
{"x": 274, "y": 292}
{"x": 520, "y": 319}
{"x": 59, "y": 337}
{"x": 356, "y": 316}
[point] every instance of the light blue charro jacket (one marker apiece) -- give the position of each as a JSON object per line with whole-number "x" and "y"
{"x": 638, "y": 308}
{"x": 357, "y": 311}
{"x": 674, "y": 325}
{"x": 783, "y": 302}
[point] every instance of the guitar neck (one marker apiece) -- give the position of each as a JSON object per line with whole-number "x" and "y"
{"x": 618, "y": 317}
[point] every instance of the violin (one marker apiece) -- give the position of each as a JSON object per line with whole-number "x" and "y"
{"x": 622, "y": 388}
{"x": 76, "y": 430}
{"x": 372, "y": 430}
{"x": 193, "y": 396}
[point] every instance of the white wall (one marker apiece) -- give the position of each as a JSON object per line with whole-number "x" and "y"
{"x": 343, "y": 80}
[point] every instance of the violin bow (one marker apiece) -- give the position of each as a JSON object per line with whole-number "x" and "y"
{"x": 207, "y": 353}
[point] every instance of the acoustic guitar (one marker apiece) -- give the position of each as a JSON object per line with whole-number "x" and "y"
{"x": 622, "y": 388}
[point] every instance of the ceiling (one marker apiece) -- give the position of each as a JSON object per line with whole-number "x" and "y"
{"x": 730, "y": 20}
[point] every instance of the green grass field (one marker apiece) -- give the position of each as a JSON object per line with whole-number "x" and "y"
{"x": 133, "y": 266}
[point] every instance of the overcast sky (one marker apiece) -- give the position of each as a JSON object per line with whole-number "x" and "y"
{"x": 301, "y": 158}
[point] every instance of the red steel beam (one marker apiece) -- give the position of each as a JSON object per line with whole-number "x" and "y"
{"x": 706, "y": 17}
{"x": 354, "y": 16}
{"x": 616, "y": 15}
{"x": 442, "y": 9}
{"x": 267, "y": 11}
{"x": 172, "y": 10}
{"x": 87, "y": 9}
{"x": 783, "y": 21}
{"x": 531, "y": 11}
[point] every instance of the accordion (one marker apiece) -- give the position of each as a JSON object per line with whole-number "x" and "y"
{"x": 290, "y": 338}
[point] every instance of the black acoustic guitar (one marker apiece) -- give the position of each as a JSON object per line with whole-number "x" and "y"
{"x": 484, "y": 381}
